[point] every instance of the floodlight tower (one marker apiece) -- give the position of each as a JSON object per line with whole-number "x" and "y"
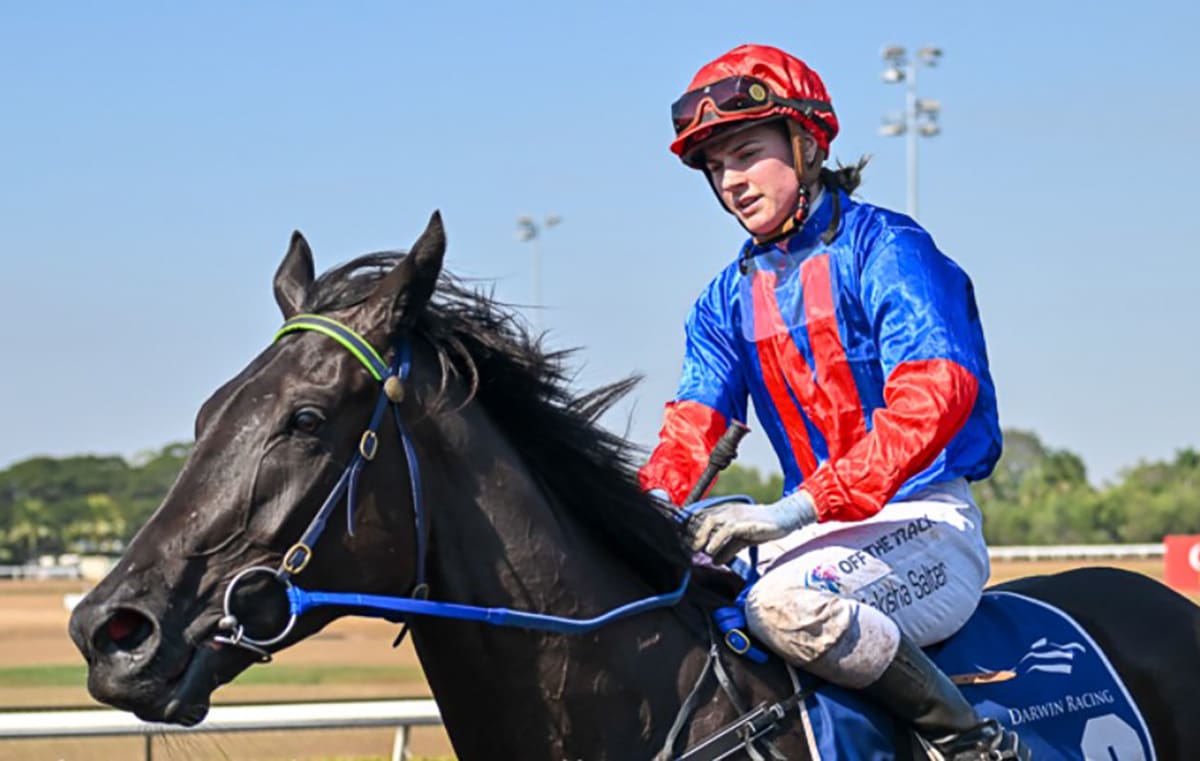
{"x": 920, "y": 116}
{"x": 529, "y": 230}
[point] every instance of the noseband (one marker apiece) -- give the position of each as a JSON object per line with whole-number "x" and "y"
{"x": 392, "y": 379}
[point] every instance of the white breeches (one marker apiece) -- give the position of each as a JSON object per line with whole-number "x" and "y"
{"x": 835, "y": 596}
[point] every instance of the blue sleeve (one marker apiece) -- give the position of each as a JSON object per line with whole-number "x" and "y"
{"x": 712, "y": 367}
{"x": 712, "y": 391}
{"x": 920, "y": 303}
{"x": 926, "y": 328}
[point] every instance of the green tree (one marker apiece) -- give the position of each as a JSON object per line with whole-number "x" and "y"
{"x": 29, "y": 531}
{"x": 84, "y": 503}
{"x": 1023, "y": 454}
{"x": 1159, "y": 498}
{"x": 1040, "y": 495}
{"x": 104, "y": 528}
{"x": 742, "y": 479}
{"x": 42, "y": 496}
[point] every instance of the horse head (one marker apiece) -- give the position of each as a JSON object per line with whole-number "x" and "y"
{"x": 270, "y": 445}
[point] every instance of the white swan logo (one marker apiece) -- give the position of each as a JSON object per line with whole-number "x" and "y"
{"x": 1047, "y": 656}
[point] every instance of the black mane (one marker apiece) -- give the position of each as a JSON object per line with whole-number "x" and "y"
{"x": 582, "y": 467}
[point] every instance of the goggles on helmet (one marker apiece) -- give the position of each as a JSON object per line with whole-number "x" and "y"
{"x": 734, "y": 95}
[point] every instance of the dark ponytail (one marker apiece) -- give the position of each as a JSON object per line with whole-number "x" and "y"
{"x": 845, "y": 177}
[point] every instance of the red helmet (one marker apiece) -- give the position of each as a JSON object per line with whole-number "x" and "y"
{"x": 750, "y": 83}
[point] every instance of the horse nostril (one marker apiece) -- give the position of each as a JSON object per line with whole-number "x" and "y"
{"x": 125, "y": 631}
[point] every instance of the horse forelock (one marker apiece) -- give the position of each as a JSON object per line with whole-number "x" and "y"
{"x": 583, "y": 468}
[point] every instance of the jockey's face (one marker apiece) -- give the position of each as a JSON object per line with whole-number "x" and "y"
{"x": 753, "y": 173}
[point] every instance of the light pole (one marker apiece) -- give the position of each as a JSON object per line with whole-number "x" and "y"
{"x": 920, "y": 114}
{"x": 529, "y": 230}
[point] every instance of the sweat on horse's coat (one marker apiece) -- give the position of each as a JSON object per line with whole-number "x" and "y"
{"x": 532, "y": 505}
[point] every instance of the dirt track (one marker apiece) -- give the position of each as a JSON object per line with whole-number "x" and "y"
{"x": 33, "y": 633}
{"x": 33, "y": 624}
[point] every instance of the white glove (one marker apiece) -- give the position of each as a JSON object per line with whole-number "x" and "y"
{"x": 726, "y": 530}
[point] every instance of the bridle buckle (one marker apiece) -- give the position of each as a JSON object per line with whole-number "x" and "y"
{"x": 368, "y": 445}
{"x": 297, "y": 557}
{"x": 737, "y": 641}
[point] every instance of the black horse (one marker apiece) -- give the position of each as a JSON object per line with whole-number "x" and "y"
{"x": 529, "y": 505}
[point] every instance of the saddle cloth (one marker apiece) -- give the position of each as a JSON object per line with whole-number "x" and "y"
{"x": 1034, "y": 669}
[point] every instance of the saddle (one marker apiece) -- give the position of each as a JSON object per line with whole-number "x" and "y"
{"x": 1020, "y": 662}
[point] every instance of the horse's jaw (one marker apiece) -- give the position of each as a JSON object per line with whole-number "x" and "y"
{"x": 188, "y": 699}
{"x": 181, "y": 695}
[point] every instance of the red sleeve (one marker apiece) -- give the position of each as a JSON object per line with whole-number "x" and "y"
{"x": 690, "y": 431}
{"x": 926, "y": 403}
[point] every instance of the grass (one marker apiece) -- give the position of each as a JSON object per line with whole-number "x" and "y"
{"x": 72, "y": 675}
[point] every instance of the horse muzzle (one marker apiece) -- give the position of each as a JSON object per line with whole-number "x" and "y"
{"x": 134, "y": 667}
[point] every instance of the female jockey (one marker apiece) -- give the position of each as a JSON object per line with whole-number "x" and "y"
{"x": 861, "y": 346}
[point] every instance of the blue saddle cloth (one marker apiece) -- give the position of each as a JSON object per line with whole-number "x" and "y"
{"x": 1046, "y": 678}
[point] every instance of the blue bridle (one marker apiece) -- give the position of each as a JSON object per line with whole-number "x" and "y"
{"x": 392, "y": 379}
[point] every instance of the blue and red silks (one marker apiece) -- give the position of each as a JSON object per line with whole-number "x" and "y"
{"x": 864, "y": 357}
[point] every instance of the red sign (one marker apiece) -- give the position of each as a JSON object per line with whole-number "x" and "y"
{"x": 1183, "y": 562}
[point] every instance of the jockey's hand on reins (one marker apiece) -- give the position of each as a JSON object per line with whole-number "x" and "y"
{"x": 725, "y": 530}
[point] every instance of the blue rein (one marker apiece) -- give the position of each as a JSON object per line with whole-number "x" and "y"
{"x": 296, "y": 559}
{"x": 302, "y": 600}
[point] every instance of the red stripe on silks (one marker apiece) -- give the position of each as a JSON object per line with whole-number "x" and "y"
{"x": 690, "y": 431}
{"x": 844, "y": 423}
{"x": 780, "y": 359}
{"x": 926, "y": 403}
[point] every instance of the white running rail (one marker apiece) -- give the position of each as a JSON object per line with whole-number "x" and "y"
{"x": 103, "y": 722}
{"x": 1077, "y": 552}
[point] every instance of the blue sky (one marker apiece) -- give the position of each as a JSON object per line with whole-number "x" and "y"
{"x": 156, "y": 157}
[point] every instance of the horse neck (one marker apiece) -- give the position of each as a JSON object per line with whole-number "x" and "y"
{"x": 496, "y": 540}
{"x": 498, "y": 537}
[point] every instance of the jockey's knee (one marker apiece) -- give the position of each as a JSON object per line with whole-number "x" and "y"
{"x": 837, "y": 638}
{"x": 799, "y": 623}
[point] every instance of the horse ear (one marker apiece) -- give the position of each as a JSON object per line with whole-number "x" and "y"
{"x": 294, "y": 276}
{"x": 405, "y": 291}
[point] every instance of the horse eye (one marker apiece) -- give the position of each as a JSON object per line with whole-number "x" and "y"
{"x": 307, "y": 420}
